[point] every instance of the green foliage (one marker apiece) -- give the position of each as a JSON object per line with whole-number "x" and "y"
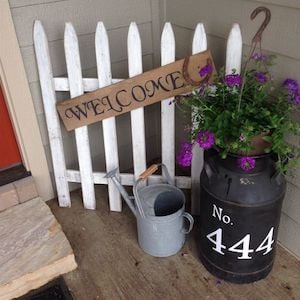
{"x": 235, "y": 113}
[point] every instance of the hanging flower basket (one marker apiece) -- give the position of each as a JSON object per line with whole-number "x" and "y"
{"x": 245, "y": 113}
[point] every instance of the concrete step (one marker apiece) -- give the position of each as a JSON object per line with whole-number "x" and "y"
{"x": 33, "y": 248}
{"x": 17, "y": 192}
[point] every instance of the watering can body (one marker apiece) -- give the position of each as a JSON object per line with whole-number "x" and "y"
{"x": 160, "y": 214}
{"x": 163, "y": 231}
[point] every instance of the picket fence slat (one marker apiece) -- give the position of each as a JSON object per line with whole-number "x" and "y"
{"x": 61, "y": 84}
{"x": 135, "y": 67}
{"x": 168, "y": 110}
{"x": 81, "y": 134}
{"x": 109, "y": 125}
{"x": 52, "y": 119}
{"x": 199, "y": 45}
{"x": 77, "y": 85}
{"x": 234, "y": 50}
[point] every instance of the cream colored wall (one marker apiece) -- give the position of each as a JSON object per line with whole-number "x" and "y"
{"x": 281, "y": 38}
{"x": 116, "y": 15}
{"x": 19, "y": 102}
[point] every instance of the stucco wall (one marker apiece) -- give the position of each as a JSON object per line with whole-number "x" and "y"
{"x": 281, "y": 38}
{"x": 116, "y": 15}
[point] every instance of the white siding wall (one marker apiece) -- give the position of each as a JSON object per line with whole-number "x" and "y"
{"x": 117, "y": 15}
{"x": 281, "y": 38}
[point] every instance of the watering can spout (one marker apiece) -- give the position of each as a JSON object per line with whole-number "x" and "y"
{"x": 113, "y": 175}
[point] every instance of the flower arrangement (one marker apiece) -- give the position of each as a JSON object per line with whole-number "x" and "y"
{"x": 233, "y": 110}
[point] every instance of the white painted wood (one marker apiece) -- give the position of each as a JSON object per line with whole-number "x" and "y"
{"x": 199, "y": 40}
{"x": 234, "y": 50}
{"x": 183, "y": 182}
{"x": 77, "y": 85}
{"x": 81, "y": 134}
{"x": 109, "y": 125}
{"x": 52, "y": 119}
{"x": 135, "y": 67}
{"x": 89, "y": 84}
{"x": 167, "y": 107}
{"x": 199, "y": 45}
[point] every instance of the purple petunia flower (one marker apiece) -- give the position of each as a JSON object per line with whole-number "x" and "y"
{"x": 207, "y": 69}
{"x": 260, "y": 77}
{"x": 291, "y": 85}
{"x": 233, "y": 80}
{"x": 246, "y": 163}
{"x": 205, "y": 139}
{"x": 297, "y": 99}
{"x": 259, "y": 57}
{"x": 184, "y": 157}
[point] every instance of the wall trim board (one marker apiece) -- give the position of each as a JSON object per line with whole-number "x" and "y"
{"x": 20, "y": 104}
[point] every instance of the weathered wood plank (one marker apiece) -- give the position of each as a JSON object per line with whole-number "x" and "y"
{"x": 118, "y": 51}
{"x": 199, "y": 45}
{"x": 52, "y": 119}
{"x": 167, "y": 108}
{"x": 234, "y": 50}
{"x": 135, "y": 66}
{"x": 183, "y": 182}
{"x": 109, "y": 125}
{"x": 33, "y": 249}
{"x": 140, "y": 276}
{"x": 133, "y": 93}
{"x": 89, "y": 84}
{"x": 81, "y": 134}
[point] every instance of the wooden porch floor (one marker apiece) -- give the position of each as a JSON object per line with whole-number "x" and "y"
{"x": 112, "y": 266}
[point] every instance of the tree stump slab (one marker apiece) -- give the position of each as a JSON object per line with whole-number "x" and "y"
{"x": 33, "y": 249}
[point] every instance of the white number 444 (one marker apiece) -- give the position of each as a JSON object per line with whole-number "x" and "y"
{"x": 242, "y": 246}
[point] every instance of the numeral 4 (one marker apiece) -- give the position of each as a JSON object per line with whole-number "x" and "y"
{"x": 245, "y": 243}
{"x": 266, "y": 243}
{"x": 218, "y": 240}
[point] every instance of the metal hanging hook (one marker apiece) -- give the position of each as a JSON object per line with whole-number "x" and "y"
{"x": 258, "y": 35}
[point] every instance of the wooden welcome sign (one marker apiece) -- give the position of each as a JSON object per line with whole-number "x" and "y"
{"x": 145, "y": 89}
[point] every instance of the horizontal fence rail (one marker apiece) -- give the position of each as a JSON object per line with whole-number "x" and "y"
{"x": 77, "y": 85}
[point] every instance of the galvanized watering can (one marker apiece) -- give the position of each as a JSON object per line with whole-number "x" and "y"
{"x": 159, "y": 210}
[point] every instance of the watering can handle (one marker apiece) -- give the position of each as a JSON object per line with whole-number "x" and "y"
{"x": 152, "y": 169}
{"x": 191, "y": 222}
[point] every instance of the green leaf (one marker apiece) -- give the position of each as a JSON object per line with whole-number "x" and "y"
{"x": 267, "y": 138}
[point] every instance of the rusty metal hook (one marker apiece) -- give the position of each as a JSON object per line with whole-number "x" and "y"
{"x": 258, "y": 35}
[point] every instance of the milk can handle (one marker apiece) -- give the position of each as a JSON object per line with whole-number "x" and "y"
{"x": 190, "y": 220}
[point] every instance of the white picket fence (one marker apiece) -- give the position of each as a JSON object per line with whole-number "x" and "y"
{"x": 77, "y": 85}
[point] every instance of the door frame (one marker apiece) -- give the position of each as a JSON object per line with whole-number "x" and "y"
{"x": 20, "y": 105}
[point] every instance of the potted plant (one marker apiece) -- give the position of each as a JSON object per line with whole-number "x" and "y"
{"x": 242, "y": 122}
{"x": 246, "y": 115}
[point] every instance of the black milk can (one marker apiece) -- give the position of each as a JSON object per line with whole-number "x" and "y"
{"x": 239, "y": 217}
